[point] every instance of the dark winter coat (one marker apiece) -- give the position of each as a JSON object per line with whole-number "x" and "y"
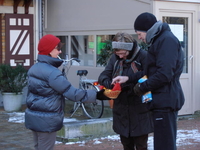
{"x": 164, "y": 66}
{"x": 130, "y": 116}
{"x": 47, "y": 88}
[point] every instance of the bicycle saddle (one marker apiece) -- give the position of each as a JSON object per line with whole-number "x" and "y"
{"x": 82, "y": 72}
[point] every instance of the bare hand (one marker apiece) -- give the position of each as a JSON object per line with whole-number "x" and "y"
{"x": 120, "y": 79}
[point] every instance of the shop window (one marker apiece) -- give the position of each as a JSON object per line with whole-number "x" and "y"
{"x": 64, "y": 49}
{"x": 103, "y": 49}
{"x": 82, "y": 47}
{"x": 92, "y": 50}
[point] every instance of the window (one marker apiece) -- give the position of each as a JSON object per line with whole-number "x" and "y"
{"x": 104, "y": 49}
{"x": 92, "y": 50}
{"x": 64, "y": 54}
{"x": 179, "y": 26}
{"x": 82, "y": 47}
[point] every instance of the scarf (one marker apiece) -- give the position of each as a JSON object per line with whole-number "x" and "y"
{"x": 153, "y": 32}
{"x": 118, "y": 67}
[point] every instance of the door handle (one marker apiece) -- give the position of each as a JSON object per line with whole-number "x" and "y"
{"x": 191, "y": 57}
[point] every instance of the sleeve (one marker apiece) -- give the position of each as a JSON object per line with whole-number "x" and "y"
{"x": 166, "y": 54}
{"x": 105, "y": 78}
{"x": 60, "y": 84}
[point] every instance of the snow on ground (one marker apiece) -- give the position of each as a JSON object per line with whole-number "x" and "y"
{"x": 183, "y": 136}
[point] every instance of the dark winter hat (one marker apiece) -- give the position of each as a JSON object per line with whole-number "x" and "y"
{"x": 47, "y": 43}
{"x": 144, "y": 22}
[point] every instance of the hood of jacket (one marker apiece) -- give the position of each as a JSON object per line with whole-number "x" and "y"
{"x": 155, "y": 30}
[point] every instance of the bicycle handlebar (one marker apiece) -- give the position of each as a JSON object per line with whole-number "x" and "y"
{"x": 76, "y": 59}
{"x": 68, "y": 60}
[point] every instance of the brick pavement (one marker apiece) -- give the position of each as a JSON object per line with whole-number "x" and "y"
{"x": 14, "y": 136}
{"x": 185, "y": 123}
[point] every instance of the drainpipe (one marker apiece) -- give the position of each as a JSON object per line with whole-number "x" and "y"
{"x": 38, "y": 25}
{"x": 40, "y": 18}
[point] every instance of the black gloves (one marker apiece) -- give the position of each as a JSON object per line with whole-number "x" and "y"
{"x": 107, "y": 84}
{"x": 101, "y": 96}
{"x": 138, "y": 90}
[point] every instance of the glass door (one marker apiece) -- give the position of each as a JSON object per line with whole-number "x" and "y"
{"x": 181, "y": 25}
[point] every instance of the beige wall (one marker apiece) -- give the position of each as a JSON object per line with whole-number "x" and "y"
{"x": 92, "y": 17}
{"x": 75, "y": 16}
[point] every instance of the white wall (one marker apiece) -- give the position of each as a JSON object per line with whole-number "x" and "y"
{"x": 72, "y": 16}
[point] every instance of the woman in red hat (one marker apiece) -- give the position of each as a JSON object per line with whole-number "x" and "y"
{"x": 47, "y": 89}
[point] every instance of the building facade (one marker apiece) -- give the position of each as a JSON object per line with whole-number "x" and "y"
{"x": 85, "y": 26}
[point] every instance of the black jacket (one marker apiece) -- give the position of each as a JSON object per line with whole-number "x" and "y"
{"x": 130, "y": 116}
{"x": 164, "y": 66}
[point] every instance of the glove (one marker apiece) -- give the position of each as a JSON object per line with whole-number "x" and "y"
{"x": 137, "y": 90}
{"x": 107, "y": 84}
{"x": 101, "y": 96}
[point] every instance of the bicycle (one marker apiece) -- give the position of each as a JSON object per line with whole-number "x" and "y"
{"x": 91, "y": 110}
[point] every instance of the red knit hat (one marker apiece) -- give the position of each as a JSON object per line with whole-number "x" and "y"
{"x": 47, "y": 43}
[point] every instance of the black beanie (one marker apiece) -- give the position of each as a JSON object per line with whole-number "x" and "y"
{"x": 144, "y": 22}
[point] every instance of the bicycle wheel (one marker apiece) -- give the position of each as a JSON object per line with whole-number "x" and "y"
{"x": 92, "y": 110}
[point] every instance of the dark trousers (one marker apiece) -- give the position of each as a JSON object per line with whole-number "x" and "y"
{"x": 44, "y": 140}
{"x": 134, "y": 143}
{"x": 165, "y": 129}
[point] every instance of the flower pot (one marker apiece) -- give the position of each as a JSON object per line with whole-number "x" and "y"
{"x": 12, "y": 101}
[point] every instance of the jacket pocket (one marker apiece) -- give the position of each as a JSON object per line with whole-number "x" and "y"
{"x": 163, "y": 89}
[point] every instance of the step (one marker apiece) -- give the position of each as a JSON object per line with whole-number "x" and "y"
{"x": 80, "y": 130}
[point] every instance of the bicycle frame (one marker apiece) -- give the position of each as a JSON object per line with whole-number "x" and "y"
{"x": 91, "y": 110}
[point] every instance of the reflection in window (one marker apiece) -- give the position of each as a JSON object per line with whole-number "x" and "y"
{"x": 90, "y": 50}
{"x": 82, "y": 47}
{"x": 103, "y": 49}
{"x": 64, "y": 49}
{"x": 181, "y": 23}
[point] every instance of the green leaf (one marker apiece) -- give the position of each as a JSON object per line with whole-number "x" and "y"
{"x": 12, "y": 79}
{"x": 105, "y": 53}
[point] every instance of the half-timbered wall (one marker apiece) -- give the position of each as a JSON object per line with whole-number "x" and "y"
{"x": 19, "y": 39}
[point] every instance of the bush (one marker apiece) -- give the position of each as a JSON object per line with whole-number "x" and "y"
{"x": 12, "y": 79}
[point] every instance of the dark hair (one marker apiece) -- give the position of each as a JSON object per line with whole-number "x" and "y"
{"x": 60, "y": 45}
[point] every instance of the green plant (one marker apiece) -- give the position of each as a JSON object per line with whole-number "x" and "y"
{"x": 105, "y": 53}
{"x": 12, "y": 79}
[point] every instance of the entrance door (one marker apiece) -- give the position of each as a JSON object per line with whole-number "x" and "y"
{"x": 181, "y": 25}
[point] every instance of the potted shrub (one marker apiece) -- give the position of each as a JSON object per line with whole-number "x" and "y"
{"x": 12, "y": 82}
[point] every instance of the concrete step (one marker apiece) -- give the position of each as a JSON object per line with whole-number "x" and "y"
{"x": 81, "y": 130}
